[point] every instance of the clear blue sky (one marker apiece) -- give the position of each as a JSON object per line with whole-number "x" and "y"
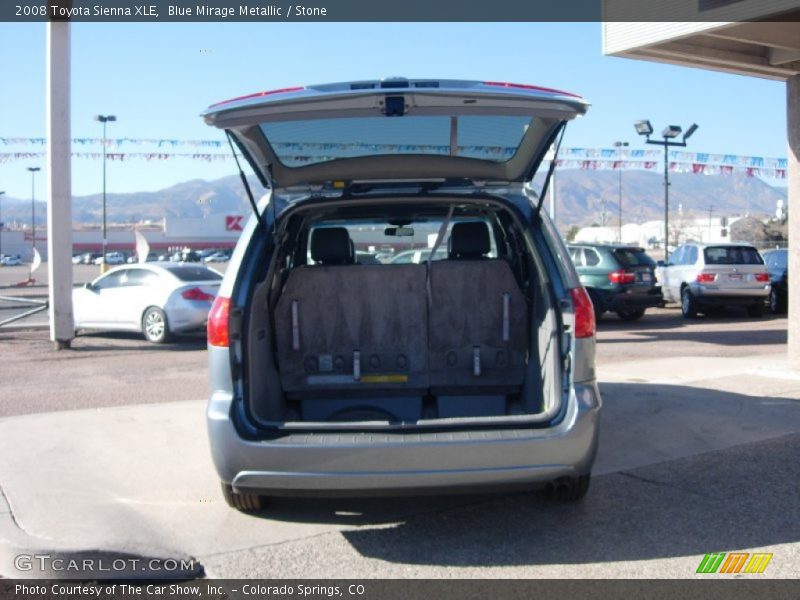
{"x": 156, "y": 78}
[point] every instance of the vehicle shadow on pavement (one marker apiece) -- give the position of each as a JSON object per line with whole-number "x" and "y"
{"x": 100, "y": 341}
{"x": 689, "y": 471}
{"x": 730, "y": 337}
{"x": 721, "y": 501}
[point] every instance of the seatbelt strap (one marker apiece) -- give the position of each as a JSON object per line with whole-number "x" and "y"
{"x": 439, "y": 238}
{"x": 295, "y": 326}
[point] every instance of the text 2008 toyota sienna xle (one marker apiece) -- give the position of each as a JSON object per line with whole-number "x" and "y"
{"x": 337, "y": 371}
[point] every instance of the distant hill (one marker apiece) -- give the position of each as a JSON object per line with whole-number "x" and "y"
{"x": 580, "y": 197}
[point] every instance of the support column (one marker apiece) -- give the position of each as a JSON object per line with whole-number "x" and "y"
{"x": 793, "y": 131}
{"x": 59, "y": 184}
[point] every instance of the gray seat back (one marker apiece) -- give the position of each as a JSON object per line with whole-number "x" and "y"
{"x": 477, "y": 314}
{"x": 330, "y": 317}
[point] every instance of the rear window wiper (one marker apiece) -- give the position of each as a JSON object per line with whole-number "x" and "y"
{"x": 421, "y": 187}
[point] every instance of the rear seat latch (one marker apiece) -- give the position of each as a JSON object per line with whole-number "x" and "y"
{"x": 476, "y": 361}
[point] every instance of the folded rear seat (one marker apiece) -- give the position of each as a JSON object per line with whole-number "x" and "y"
{"x": 478, "y": 317}
{"x": 347, "y": 327}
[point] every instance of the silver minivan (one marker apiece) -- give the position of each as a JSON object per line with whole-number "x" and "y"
{"x": 333, "y": 373}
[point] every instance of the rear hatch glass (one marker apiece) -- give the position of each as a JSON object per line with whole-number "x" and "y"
{"x": 636, "y": 261}
{"x": 732, "y": 255}
{"x": 493, "y": 138}
{"x": 188, "y": 273}
{"x": 633, "y": 257}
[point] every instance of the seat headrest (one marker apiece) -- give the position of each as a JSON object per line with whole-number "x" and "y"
{"x": 469, "y": 240}
{"x": 331, "y": 246}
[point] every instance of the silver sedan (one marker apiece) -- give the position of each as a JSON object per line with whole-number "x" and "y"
{"x": 157, "y": 300}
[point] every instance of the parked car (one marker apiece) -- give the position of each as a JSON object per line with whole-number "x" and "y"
{"x": 217, "y": 257}
{"x": 704, "y": 277}
{"x": 11, "y": 260}
{"x": 366, "y": 258}
{"x": 157, "y": 300}
{"x": 111, "y": 258}
{"x": 77, "y": 259}
{"x": 619, "y": 279}
{"x": 777, "y": 263}
{"x": 418, "y": 256}
{"x": 134, "y": 258}
{"x": 331, "y": 377}
{"x": 89, "y": 258}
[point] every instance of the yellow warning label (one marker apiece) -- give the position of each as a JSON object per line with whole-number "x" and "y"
{"x": 384, "y": 378}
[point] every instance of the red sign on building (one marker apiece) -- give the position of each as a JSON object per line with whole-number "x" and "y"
{"x": 233, "y": 222}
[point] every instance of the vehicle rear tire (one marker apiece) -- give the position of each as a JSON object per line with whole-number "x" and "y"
{"x": 631, "y": 314}
{"x": 570, "y": 489}
{"x": 755, "y": 310}
{"x": 245, "y": 502}
{"x": 154, "y": 326}
{"x": 776, "y": 305}
{"x": 688, "y": 304}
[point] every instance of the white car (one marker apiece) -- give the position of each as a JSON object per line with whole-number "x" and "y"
{"x": 418, "y": 256}
{"x": 112, "y": 258}
{"x": 11, "y": 261}
{"x": 157, "y": 300}
{"x": 217, "y": 257}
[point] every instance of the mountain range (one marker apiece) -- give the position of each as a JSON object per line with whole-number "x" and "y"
{"x": 583, "y": 197}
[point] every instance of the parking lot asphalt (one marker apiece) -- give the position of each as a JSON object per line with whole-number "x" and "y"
{"x": 699, "y": 438}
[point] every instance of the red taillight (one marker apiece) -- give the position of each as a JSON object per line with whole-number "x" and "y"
{"x": 584, "y": 313}
{"x": 258, "y": 95}
{"x": 621, "y": 276}
{"x": 762, "y": 277}
{"x": 196, "y": 293}
{"x": 218, "y": 322}
{"x": 706, "y": 277}
{"x": 523, "y": 86}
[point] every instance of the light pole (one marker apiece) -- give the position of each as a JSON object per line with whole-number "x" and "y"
{"x": 1, "y": 229}
{"x": 33, "y": 171}
{"x": 669, "y": 134}
{"x": 104, "y": 119}
{"x": 619, "y": 145}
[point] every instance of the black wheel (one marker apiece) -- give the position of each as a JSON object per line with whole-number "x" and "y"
{"x": 245, "y": 502}
{"x": 631, "y": 314}
{"x": 155, "y": 326}
{"x": 597, "y": 303}
{"x": 776, "y": 305}
{"x": 570, "y": 489}
{"x": 688, "y": 304}
{"x": 755, "y": 310}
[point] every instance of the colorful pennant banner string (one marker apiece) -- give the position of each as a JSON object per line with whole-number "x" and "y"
{"x": 302, "y": 152}
{"x": 584, "y": 164}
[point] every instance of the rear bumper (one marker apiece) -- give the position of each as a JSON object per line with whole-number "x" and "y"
{"x": 730, "y": 297}
{"x": 615, "y": 301}
{"x": 187, "y": 318}
{"x": 352, "y": 463}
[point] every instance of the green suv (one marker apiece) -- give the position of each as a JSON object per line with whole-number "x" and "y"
{"x": 620, "y": 279}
